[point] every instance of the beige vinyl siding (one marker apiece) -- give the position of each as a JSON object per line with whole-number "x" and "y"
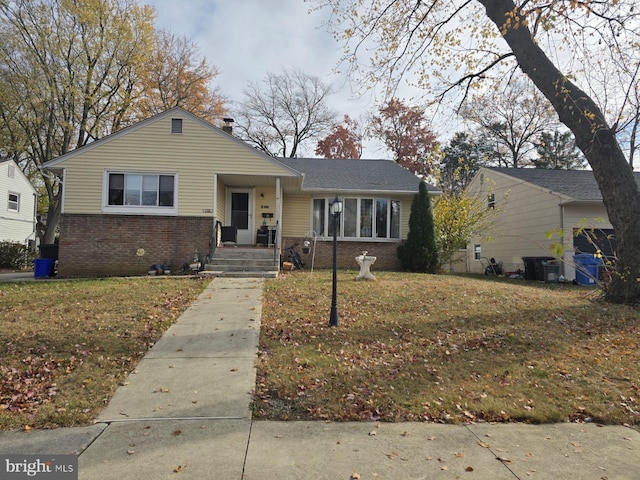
{"x": 197, "y": 154}
{"x": 265, "y": 203}
{"x": 296, "y": 221}
{"x": 405, "y": 212}
{"x": 524, "y": 215}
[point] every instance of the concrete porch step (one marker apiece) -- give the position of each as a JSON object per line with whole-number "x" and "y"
{"x": 239, "y": 274}
{"x": 242, "y": 262}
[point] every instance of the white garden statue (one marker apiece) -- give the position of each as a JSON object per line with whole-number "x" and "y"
{"x": 365, "y": 263}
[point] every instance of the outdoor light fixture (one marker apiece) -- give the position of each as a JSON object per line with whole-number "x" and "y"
{"x": 336, "y": 210}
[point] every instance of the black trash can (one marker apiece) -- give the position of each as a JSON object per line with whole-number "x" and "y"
{"x": 49, "y": 250}
{"x": 534, "y": 268}
{"x": 551, "y": 272}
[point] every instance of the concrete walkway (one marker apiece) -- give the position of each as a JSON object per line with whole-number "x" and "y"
{"x": 184, "y": 413}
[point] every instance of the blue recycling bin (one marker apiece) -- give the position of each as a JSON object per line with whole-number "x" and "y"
{"x": 43, "y": 267}
{"x": 587, "y": 267}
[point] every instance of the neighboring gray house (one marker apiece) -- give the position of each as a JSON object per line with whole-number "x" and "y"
{"x": 17, "y": 205}
{"x": 530, "y": 204}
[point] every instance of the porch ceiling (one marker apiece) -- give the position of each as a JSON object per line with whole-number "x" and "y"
{"x": 289, "y": 184}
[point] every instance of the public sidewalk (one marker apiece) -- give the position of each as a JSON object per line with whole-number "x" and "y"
{"x": 184, "y": 414}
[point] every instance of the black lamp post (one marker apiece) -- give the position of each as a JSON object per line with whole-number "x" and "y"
{"x": 336, "y": 210}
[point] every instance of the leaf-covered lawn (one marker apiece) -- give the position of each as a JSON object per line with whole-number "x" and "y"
{"x": 445, "y": 348}
{"x": 66, "y": 345}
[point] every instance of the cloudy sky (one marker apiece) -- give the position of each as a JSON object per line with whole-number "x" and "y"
{"x": 246, "y": 39}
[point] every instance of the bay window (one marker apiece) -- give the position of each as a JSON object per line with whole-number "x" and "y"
{"x": 362, "y": 218}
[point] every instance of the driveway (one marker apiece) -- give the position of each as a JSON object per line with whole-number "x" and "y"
{"x": 16, "y": 276}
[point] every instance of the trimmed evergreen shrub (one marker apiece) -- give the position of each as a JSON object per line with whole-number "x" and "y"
{"x": 419, "y": 253}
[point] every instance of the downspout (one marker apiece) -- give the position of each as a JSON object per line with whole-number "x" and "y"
{"x": 213, "y": 240}
{"x": 562, "y": 263}
{"x": 278, "y": 218}
{"x": 215, "y": 200}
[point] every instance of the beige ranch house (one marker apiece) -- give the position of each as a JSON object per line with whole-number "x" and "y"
{"x": 534, "y": 209}
{"x": 173, "y": 185}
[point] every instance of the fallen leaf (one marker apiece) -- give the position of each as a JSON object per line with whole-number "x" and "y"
{"x": 404, "y": 434}
{"x": 484, "y": 445}
{"x": 355, "y": 476}
{"x": 372, "y": 433}
{"x": 468, "y": 469}
{"x": 176, "y": 433}
{"x": 131, "y": 451}
{"x": 503, "y": 460}
{"x": 179, "y": 468}
{"x": 445, "y": 468}
{"x": 459, "y": 454}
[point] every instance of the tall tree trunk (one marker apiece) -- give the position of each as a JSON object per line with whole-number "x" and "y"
{"x": 593, "y": 136}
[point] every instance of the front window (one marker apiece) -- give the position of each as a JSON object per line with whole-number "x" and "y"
{"x": 477, "y": 251}
{"x": 147, "y": 190}
{"x": 362, "y": 218}
{"x": 366, "y": 217}
{"x": 319, "y": 216}
{"x": 13, "y": 205}
{"x": 139, "y": 191}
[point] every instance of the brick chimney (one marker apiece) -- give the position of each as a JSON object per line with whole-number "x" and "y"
{"x": 228, "y": 125}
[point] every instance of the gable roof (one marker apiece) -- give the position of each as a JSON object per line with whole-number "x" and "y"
{"x": 354, "y": 175}
{"x": 580, "y": 185}
{"x": 168, "y": 113}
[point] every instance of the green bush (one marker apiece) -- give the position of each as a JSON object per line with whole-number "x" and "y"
{"x": 15, "y": 256}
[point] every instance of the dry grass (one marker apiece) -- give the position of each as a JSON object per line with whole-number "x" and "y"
{"x": 446, "y": 348}
{"x": 66, "y": 345}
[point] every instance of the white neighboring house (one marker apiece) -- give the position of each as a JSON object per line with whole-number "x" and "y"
{"x": 17, "y": 205}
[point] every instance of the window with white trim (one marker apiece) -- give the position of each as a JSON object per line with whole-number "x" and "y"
{"x": 477, "y": 251}
{"x": 362, "y": 218}
{"x": 13, "y": 203}
{"x": 141, "y": 190}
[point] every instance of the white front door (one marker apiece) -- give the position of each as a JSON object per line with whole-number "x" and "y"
{"x": 240, "y": 212}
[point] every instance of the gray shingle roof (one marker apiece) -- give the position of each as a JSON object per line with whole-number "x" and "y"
{"x": 354, "y": 175}
{"x": 580, "y": 185}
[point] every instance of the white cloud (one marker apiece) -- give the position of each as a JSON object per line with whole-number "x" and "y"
{"x": 246, "y": 39}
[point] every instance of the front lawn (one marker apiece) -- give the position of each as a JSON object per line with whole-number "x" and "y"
{"x": 66, "y": 345}
{"x": 445, "y": 348}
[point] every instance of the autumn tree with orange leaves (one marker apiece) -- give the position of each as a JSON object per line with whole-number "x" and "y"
{"x": 406, "y": 132}
{"x": 176, "y": 75}
{"x": 345, "y": 141}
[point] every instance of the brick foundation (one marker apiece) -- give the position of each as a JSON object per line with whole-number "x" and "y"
{"x": 106, "y": 245}
{"x": 387, "y": 258}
